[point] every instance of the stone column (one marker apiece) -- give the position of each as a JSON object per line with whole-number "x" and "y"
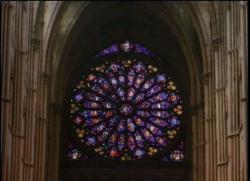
{"x": 220, "y": 97}
{"x": 31, "y": 94}
{"x": 18, "y": 125}
{"x": 243, "y": 55}
{"x": 234, "y": 126}
{"x": 55, "y": 112}
{"x": 198, "y": 143}
{"x": 209, "y": 119}
{"x": 7, "y": 53}
{"x": 41, "y": 107}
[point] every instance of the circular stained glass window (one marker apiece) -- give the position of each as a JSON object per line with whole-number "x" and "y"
{"x": 126, "y": 110}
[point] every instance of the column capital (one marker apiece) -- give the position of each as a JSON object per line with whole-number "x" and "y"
{"x": 216, "y": 42}
{"x": 224, "y": 162}
{"x": 228, "y": 5}
{"x": 36, "y": 42}
{"x": 236, "y": 133}
{"x": 202, "y": 144}
{"x": 195, "y": 108}
{"x": 5, "y": 99}
{"x": 209, "y": 119}
{"x": 28, "y": 164}
{"x": 40, "y": 118}
{"x": 45, "y": 75}
{"x": 16, "y": 135}
{"x": 243, "y": 4}
{"x": 206, "y": 76}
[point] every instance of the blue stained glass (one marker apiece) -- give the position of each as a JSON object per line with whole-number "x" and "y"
{"x": 138, "y": 121}
{"x": 78, "y": 120}
{"x": 161, "y": 78}
{"x": 98, "y": 129}
{"x": 74, "y": 154}
{"x": 126, "y": 46}
{"x": 121, "y": 93}
{"x": 143, "y": 114}
{"x": 144, "y": 105}
{"x": 139, "y": 68}
{"x": 114, "y": 81}
{"x": 104, "y": 135}
{"x": 122, "y": 126}
{"x": 113, "y": 138}
{"x": 139, "y": 153}
{"x": 131, "y": 78}
{"x": 91, "y": 140}
{"x": 114, "y": 121}
{"x": 78, "y": 97}
{"x": 148, "y": 84}
{"x": 158, "y": 121}
{"x": 153, "y": 90}
{"x": 113, "y": 152}
{"x": 128, "y": 108}
{"x": 92, "y": 96}
{"x": 160, "y": 105}
{"x": 139, "y": 97}
{"x": 155, "y": 130}
{"x": 131, "y": 93}
{"x": 161, "y": 114}
{"x": 174, "y": 121}
{"x": 130, "y": 125}
{"x": 139, "y": 139}
{"x": 162, "y": 141}
{"x": 131, "y": 143}
{"x": 177, "y": 154}
{"x": 110, "y": 50}
{"x": 159, "y": 97}
{"x": 139, "y": 80}
{"x": 121, "y": 142}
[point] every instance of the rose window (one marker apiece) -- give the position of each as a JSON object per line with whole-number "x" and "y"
{"x": 126, "y": 110}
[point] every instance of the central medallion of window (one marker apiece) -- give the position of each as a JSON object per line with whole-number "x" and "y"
{"x": 127, "y": 110}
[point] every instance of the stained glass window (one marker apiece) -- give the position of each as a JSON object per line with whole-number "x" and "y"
{"x": 126, "y": 110}
{"x": 126, "y": 46}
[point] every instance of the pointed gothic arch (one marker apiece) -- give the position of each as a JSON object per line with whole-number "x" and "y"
{"x": 193, "y": 71}
{"x": 44, "y": 44}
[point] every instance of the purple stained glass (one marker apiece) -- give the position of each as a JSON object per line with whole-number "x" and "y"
{"x": 110, "y": 50}
{"x": 124, "y": 110}
{"x": 91, "y": 140}
{"x": 177, "y": 154}
{"x": 75, "y": 153}
{"x": 126, "y": 46}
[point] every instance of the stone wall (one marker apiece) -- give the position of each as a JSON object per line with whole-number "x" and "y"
{"x": 30, "y": 110}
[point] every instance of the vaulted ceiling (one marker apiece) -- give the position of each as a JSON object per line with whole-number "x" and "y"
{"x": 102, "y": 24}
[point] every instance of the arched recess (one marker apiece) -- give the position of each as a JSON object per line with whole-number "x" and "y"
{"x": 74, "y": 18}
